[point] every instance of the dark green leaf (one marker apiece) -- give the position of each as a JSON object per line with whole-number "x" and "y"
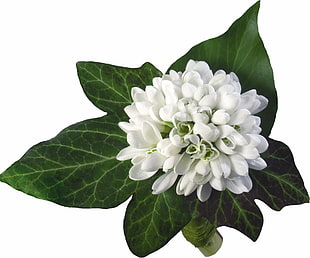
{"x": 279, "y": 185}
{"x": 236, "y": 211}
{"x": 240, "y": 50}
{"x": 152, "y": 220}
{"x": 77, "y": 167}
{"x": 108, "y": 86}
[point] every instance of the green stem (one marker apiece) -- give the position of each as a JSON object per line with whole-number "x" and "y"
{"x": 203, "y": 235}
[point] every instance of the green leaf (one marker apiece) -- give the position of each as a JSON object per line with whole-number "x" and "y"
{"x": 236, "y": 211}
{"x": 152, "y": 220}
{"x": 240, "y": 50}
{"x": 279, "y": 185}
{"x": 108, "y": 86}
{"x": 76, "y": 168}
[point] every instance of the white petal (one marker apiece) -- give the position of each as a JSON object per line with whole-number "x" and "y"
{"x": 190, "y": 65}
{"x": 136, "y": 140}
{"x": 153, "y": 162}
{"x": 136, "y": 173}
{"x": 192, "y": 138}
{"x": 200, "y": 118}
{"x": 218, "y": 183}
{"x": 257, "y": 164}
{"x": 126, "y": 127}
{"x": 170, "y": 163}
{"x": 154, "y": 95}
{"x": 229, "y": 102}
{"x": 182, "y": 117}
{"x": 138, "y": 94}
{"x": 150, "y": 133}
{"x": 138, "y": 159}
{"x": 203, "y": 168}
{"x": 192, "y": 77}
{"x": 253, "y": 102}
{"x": 238, "y": 138}
{"x": 129, "y": 153}
{"x": 204, "y": 192}
{"x": 157, "y": 82}
{"x": 168, "y": 149}
{"x": 263, "y": 145}
{"x": 185, "y": 186}
{"x": 143, "y": 107}
{"x": 239, "y": 116}
{"x": 220, "y": 117}
{"x": 201, "y": 180}
{"x": 200, "y": 92}
{"x": 263, "y": 104}
{"x": 209, "y": 100}
{"x": 131, "y": 110}
{"x": 221, "y": 166}
{"x": 207, "y": 132}
{"x": 176, "y": 139}
{"x": 167, "y": 112}
{"x": 220, "y": 78}
{"x": 164, "y": 182}
{"x": 239, "y": 185}
{"x": 171, "y": 92}
{"x": 223, "y": 147}
{"x": 239, "y": 164}
{"x": 183, "y": 165}
{"x": 154, "y": 114}
{"x": 225, "y": 130}
{"x": 188, "y": 90}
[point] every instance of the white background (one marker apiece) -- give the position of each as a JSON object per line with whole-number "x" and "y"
{"x": 41, "y": 41}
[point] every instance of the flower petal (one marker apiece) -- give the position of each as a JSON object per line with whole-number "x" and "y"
{"x": 188, "y": 90}
{"x": 167, "y": 112}
{"x": 131, "y": 110}
{"x": 239, "y": 164}
{"x": 126, "y": 127}
{"x": 143, "y": 107}
{"x": 257, "y": 164}
{"x": 201, "y": 67}
{"x": 263, "y": 145}
{"x": 185, "y": 186}
{"x": 137, "y": 174}
{"x": 129, "y": 153}
{"x": 220, "y": 117}
{"x": 168, "y": 149}
{"x": 171, "y": 92}
{"x": 150, "y": 133}
{"x": 164, "y": 182}
{"x": 136, "y": 140}
{"x": 218, "y": 183}
{"x": 154, "y": 95}
{"x": 138, "y": 94}
{"x": 153, "y": 162}
{"x": 239, "y": 185}
{"x": 208, "y": 132}
{"x": 203, "y": 168}
{"x": 239, "y": 116}
{"x": 221, "y": 166}
{"x": 204, "y": 192}
{"x": 170, "y": 162}
{"x": 183, "y": 165}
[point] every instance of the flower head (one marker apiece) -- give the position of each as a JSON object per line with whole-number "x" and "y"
{"x": 196, "y": 127}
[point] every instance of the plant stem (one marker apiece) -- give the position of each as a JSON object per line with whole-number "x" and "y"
{"x": 203, "y": 235}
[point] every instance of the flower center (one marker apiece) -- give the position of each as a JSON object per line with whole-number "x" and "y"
{"x": 184, "y": 128}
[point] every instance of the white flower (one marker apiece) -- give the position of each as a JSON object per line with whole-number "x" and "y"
{"x": 196, "y": 127}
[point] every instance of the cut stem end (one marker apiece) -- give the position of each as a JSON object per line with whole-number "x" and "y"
{"x": 203, "y": 235}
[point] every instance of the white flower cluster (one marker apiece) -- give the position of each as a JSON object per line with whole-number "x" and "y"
{"x": 195, "y": 126}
